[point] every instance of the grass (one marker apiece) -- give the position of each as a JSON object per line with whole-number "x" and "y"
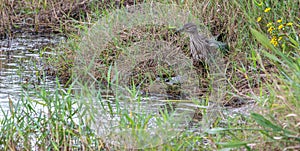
{"x": 45, "y": 16}
{"x": 32, "y": 128}
{"x": 256, "y": 53}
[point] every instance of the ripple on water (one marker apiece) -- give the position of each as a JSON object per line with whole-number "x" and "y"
{"x": 20, "y": 61}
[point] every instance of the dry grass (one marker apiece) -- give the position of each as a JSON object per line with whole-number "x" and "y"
{"x": 51, "y": 16}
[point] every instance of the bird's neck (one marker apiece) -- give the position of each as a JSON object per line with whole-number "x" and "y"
{"x": 198, "y": 36}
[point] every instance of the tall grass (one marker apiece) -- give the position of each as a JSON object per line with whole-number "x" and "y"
{"x": 273, "y": 126}
{"x": 49, "y": 16}
{"x": 46, "y": 120}
{"x": 282, "y": 123}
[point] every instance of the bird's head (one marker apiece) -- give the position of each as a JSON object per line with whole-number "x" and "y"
{"x": 190, "y": 28}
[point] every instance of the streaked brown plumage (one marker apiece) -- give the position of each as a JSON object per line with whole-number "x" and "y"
{"x": 202, "y": 47}
{"x": 208, "y": 51}
{"x": 198, "y": 42}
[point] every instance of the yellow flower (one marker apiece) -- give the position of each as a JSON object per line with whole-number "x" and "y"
{"x": 269, "y": 24}
{"x": 279, "y": 20}
{"x": 274, "y": 41}
{"x": 258, "y": 19}
{"x": 267, "y": 9}
{"x": 279, "y": 38}
{"x": 280, "y": 26}
{"x": 289, "y": 24}
{"x": 271, "y": 29}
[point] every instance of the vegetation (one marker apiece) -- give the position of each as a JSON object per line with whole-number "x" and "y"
{"x": 264, "y": 42}
{"x": 52, "y": 16}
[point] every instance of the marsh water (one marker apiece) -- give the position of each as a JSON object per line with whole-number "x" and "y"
{"x": 21, "y": 65}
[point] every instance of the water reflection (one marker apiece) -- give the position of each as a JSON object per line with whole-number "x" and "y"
{"x": 21, "y": 63}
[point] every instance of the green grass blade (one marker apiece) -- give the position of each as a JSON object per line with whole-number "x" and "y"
{"x": 262, "y": 121}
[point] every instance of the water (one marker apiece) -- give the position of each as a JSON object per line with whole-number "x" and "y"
{"x": 21, "y": 63}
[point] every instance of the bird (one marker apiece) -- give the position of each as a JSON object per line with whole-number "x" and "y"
{"x": 202, "y": 47}
{"x": 208, "y": 52}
